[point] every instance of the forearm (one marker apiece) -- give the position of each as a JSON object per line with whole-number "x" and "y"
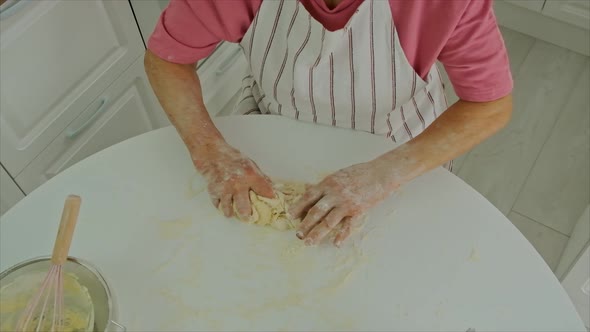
{"x": 179, "y": 91}
{"x": 463, "y": 126}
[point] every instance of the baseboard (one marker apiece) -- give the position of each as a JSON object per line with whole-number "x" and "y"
{"x": 543, "y": 27}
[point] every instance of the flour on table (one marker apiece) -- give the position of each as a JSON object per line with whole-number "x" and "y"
{"x": 273, "y": 212}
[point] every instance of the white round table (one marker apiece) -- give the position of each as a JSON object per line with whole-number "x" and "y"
{"x": 435, "y": 256}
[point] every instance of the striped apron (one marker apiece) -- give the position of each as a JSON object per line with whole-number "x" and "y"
{"x": 357, "y": 77}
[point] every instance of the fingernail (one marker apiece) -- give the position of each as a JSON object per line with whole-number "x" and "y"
{"x": 244, "y": 216}
{"x": 308, "y": 242}
{"x": 338, "y": 243}
{"x": 299, "y": 234}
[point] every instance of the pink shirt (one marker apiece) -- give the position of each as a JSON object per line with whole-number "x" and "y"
{"x": 461, "y": 34}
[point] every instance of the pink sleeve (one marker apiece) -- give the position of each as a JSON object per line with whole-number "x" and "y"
{"x": 188, "y": 31}
{"x": 475, "y": 56}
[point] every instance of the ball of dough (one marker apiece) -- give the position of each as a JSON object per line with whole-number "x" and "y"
{"x": 274, "y": 212}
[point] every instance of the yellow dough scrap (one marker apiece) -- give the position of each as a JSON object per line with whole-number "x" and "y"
{"x": 273, "y": 212}
{"x": 263, "y": 210}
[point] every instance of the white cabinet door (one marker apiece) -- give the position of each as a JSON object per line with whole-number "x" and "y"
{"x": 10, "y": 194}
{"x": 56, "y": 57}
{"x": 536, "y": 5}
{"x": 126, "y": 109}
{"x": 572, "y": 11}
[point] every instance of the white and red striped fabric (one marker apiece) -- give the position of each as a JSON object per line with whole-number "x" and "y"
{"x": 357, "y": 77}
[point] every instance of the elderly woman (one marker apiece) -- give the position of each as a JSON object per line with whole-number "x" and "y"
{"x": 364, "y": 65}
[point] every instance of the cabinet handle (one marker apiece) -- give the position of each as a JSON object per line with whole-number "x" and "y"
{"x": 227, "y": 62}
{"x": 72, "y": 133}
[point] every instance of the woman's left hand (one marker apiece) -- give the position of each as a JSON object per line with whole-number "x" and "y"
{"x": 341, "y": 200}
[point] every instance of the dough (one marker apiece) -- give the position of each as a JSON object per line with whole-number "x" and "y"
{"x": 273, "y": 212}
{"x": 78, "y": 310}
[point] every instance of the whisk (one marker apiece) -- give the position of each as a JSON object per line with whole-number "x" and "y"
{"x": 45, "y": 308}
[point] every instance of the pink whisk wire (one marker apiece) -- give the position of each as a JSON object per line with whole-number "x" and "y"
{"x": 60, "y": 301}
{"x": 51, "y": 285}
{"x": 27, "y": 314}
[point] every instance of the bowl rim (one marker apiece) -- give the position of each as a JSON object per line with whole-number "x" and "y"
{"x": 93, "y": 269}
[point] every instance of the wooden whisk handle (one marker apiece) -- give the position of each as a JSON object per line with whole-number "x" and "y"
{"x": 66, "y": 229}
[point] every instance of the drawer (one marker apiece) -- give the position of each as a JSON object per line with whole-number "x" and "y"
{"x": 126, "y": 109}
{"x": 221, "y": 76}
{"x": 56, "y": 58}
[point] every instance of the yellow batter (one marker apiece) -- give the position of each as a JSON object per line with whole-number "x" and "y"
{"x": 78, "y": 311}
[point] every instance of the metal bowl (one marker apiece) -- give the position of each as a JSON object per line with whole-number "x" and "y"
{"x": 88, "y": 276}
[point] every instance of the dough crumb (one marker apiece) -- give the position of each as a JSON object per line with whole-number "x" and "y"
{"x": 474, "y": 255}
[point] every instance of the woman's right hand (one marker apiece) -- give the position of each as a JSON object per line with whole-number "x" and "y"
{"x": 231, "y": 176}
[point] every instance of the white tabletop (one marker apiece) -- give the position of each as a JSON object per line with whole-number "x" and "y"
{"x": 436, "y": 256}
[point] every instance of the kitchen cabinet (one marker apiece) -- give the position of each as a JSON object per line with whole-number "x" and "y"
{"x": 126, "y": 109}
{"x": 576, "y": 12}
{"x": 10, "y": 194}
{"x": 220, "y": 73}
{"x": 73, "y": 83}
{"x": 221, "y": 77}
{"x": 56, "y": 58}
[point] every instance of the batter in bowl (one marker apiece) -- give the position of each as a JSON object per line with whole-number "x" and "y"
{"x": 78, "y": 310}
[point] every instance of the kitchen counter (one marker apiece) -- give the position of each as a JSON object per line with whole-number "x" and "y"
{"x": 435, "y": 256}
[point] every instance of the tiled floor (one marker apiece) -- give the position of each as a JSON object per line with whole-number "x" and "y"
{"x": 536, "y": 171}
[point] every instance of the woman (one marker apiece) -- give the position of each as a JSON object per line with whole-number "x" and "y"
{"x": 365, "y": 65}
